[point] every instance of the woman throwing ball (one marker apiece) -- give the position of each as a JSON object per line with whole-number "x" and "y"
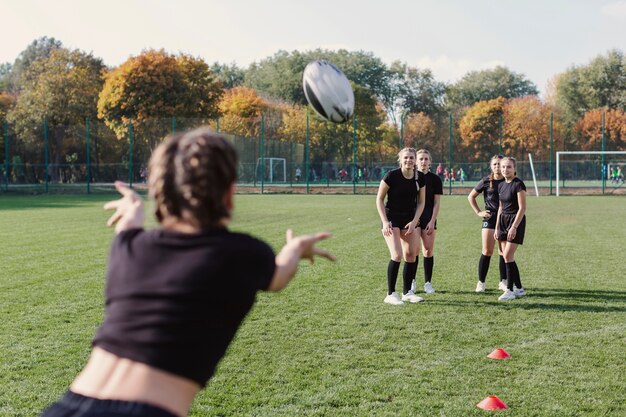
{"x": 404, "y": 189}
{"x": 177, "y": 294}
{"x": 511, "y": 225}
{"x": 488, "y": 186}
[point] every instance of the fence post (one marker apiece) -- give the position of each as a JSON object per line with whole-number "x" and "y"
{"x": 130, "y": 154}
{"x": 450, "y": 153}
{"x": 46, "y": 150}
{"x": 262, "y": 153}
{"x": 354, "y": 173}
{"x": 306, "y": 152}
{"x": 87, "y": 140}
{"x": 6, "y": 155}
{"x": 551, "y": 125}
{"x": 603, "y": 170}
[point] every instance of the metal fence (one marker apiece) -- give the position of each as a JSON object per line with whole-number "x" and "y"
{"x": 89, "y": 157}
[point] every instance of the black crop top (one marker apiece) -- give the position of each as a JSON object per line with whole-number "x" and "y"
{"x": 174, "y": 301}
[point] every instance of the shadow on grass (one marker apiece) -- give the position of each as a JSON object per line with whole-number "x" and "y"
{"x": 552, "y": 299}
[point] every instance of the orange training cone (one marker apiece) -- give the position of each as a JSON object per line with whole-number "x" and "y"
{"x": 492, "y": 403}
{"x": 499, "y": 354}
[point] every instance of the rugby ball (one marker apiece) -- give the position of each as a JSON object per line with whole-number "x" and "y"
{"x": 328, "y": 91}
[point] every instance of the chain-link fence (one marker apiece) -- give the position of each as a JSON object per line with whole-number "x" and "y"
{"x": 310, "y": 157}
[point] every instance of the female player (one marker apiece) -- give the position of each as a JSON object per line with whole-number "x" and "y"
{"x": 511, "y": 225}
{"x": 176, "y": 294}
{"x": 428, "y": 219}
{"x": 404, "y": 189}
{"x": 488, "y": 186}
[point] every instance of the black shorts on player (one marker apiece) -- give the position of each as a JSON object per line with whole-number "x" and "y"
{"x": 490, "y": 223}
{"x": 506, "y": 220}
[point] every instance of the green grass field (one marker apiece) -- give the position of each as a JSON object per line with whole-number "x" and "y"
{"x": 327, "y": 345}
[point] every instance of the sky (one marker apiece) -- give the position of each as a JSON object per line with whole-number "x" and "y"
{"x": 536, "y": 38}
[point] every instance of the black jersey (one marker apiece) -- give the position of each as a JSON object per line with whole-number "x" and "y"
{"x": 175, "y": 301}
{"x": 403, "y": 192}
{"x": 433, "y": 186}
{"x": 489, "y": 189}
{"x": 508, "y": 195}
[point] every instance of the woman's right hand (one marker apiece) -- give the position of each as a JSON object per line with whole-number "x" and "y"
{"x": 128, "y": 209}
{"x": 388, "y": 229}
{"x": 484, "y": 214}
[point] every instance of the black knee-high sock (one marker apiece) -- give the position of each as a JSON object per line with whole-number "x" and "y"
{"x": 392, "y": 276}
{"x": 510, "y": 275}
{"x": 428, "y": 268}
{"x": 483, "y": 267}
{"x": 516, "y": 278}
{"x": 502, "y": 269}
{"x": 408, "y": 275}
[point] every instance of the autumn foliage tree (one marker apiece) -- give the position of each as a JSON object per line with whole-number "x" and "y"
{"x": 419, "y": 131}
{"x": 527, "y": 128}
{"x": 240, "y": 111}
{"x": 589, "y": 128}
{"x": 480, "y": 129}
{"x": 157, "y": 85}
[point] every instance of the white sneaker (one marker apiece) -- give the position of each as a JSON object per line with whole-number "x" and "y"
{"x": 412, "y": 298}
{"x": 480, "y": 287}
{"x": 413, "y": 287}
{"x": 502, "y": 286}
{"x": 519, "y": 292}
{"x": 507, "y": 296}
{"x": 428, "y": 288}
{"x": 393, "y": 299}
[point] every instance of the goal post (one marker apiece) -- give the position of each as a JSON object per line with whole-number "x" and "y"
{"x": 604, "y": 170}
{"x": 275, "y": 169}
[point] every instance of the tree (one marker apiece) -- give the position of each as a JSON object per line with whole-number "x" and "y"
{"x": 411, "y": 90}
{"x": 527, "y": 128}
{"x": 156, "y": 85}
{"x": 229, "y": 75}
{"x": 62, "y": 89}
{"x": 240, "y": 112}
{"x": 7, "y": 101}
{"x": 489, "y": 84}
{"x": 419, "y": 131}
{"x": 40, "y": 48}
{"x": 5, "y": 70}
{"x": 589, "y": 128}
{"x": 480, "y": 128}
{"x": 602, "y": 83}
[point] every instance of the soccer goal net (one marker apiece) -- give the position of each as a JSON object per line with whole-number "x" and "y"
{"x": 589, "y": 169}
{"x": 271, "y": 170}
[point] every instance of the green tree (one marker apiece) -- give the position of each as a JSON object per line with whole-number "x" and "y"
{"x": 601, "y": 83}
{"x": 153, "y": 87}
{"x": 489, "y": 84}
{"x": 38, "y": 49}
{"x": 63, "y": 89}
{"x": 229, "y": 75}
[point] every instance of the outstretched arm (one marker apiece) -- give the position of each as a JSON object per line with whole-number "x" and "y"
{"x": 128, "y": 209}
{"x": 301, "y": 247}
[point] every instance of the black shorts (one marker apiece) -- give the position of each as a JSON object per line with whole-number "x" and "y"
{"x": 425, "y": 219}
{"x": 506, "y": 220}
{"x": 490, "y": 223}
{"x": 76, "y": 405}
{"x": 400, "y": 219}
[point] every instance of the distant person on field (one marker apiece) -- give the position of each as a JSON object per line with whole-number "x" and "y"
{"x": 446, "y": 175}
{"x": 511, "y": 225}
{"x": 440, "y": 172}
{"x": 461, "y": 176}
{"x": 404, "y": 189}
{"x": 298, "y": 174}
{"x": 177, "y": 294}
{"x": 488, "y": 187}
{"x": 428, "y": 219}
